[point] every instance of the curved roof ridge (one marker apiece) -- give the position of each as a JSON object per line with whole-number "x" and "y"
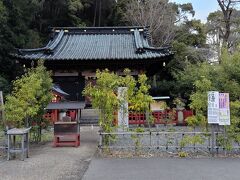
{"x": 54, "y": 44}
{"x": 51, "y": 45}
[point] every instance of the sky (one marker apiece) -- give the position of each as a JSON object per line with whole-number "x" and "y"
{"x": 202, "y": 7}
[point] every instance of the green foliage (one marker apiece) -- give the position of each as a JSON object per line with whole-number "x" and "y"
{"x": 137, "y": 138}
{"x": 197, "y": 120}
{"x": 4, "y": 85}
{"x": 179, "y": 102}
{"x": 141, "y": 98}
{"x": 183, "y": 154}
{"x": 199, "y": 98}
{"x": 104, "y": 95}
{"x": 31, "y": 94}
{"x": 118, "y": 15}
{"x": 232, "y": 131}
{"x": 191, "y": 140}
{"x": 224, "y": 142}
{"x": 197, "y": 79}
{"x": 191, "y": 33}
{"x": 139, "y": 130}
{"x": 3, "y": 13}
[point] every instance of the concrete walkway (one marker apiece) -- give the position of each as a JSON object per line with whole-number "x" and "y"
{"x": 163, "y": 169}
{"x": 48, "y": 163}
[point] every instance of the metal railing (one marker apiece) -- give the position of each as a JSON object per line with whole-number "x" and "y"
{"x": 158, "y": 141}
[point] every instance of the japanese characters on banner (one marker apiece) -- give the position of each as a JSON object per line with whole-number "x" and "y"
{"x": 224, "y": 109}
{"x": 218, "y": 108}
{"x": 213, "y": 107}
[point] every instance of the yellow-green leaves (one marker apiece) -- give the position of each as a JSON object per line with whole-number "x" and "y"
{"x": 104, "y": 95}
{"x": 31, "y": 94}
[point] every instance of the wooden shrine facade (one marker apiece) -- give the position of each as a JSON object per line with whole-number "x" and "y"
{"x": 74, "y": 54}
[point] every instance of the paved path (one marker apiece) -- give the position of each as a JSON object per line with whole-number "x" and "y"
{"x": 48, "y": 163}
{"x": 163, "y": 169}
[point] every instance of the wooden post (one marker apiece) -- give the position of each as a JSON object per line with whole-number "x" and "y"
{"x": 2, "y": 105}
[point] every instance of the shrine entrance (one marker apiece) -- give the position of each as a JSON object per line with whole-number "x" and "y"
{"x": 73, "y": 85}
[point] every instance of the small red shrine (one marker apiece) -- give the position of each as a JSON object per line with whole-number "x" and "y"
{"x": 60, "y": 108}
{"x": 65, "y": 116}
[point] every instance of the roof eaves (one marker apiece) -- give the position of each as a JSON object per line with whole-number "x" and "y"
{"x": 47, "y": 49}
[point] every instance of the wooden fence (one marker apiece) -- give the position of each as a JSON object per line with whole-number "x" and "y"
{"x": 161, "y": 117}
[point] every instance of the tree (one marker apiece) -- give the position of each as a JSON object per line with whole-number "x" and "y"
{"x": 4, "y": 85}
{"x": 104, "y": 95}
{"x": 227, "y": 7}
{"x": 191, "y": 33}
{"x": 223, "y": 25}
{"x": 222, "y": 77}
{"x": 118, "y": 15}
{"x": 159, "y": 15}
{"x": 189, "y": 45}
{"x": 31, "y": 94}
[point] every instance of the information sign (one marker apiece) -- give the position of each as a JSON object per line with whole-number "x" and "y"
{"x": 213, "y": 107}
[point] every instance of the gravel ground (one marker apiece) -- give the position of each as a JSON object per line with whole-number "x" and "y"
{"x": 48, "y": 163}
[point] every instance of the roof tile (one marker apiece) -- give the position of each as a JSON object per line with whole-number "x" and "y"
{"x": 96, "y": 44}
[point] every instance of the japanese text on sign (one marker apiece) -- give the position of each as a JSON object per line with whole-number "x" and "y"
{"x": 213, "y": 107}
{"x": 224, "y": 109}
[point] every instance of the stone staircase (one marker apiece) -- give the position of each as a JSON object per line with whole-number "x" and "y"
{"x": 89, "y": 117}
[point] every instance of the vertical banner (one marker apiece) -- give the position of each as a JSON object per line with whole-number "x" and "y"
{"x": 224, "y": 109}
{"x": 1, "y": 105}
{"x": 123, "y": 109}
{"x": 213, "y": 107}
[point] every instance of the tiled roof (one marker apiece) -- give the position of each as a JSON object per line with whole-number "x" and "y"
{"x": 66, "y": 105}
{"x": 58, "y": 90}
{"x": 104, "y": 43}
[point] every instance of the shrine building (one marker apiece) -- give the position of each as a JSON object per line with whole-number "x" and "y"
{"x": 74, "y": 54}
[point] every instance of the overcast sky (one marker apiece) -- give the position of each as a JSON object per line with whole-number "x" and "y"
{"x": 202, "y": 7}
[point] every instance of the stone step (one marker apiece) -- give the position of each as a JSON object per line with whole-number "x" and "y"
{"x": 89, "y": 121}
{"x": 89, "y": 113}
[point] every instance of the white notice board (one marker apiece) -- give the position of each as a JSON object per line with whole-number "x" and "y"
{"x": 213, "y": 107}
